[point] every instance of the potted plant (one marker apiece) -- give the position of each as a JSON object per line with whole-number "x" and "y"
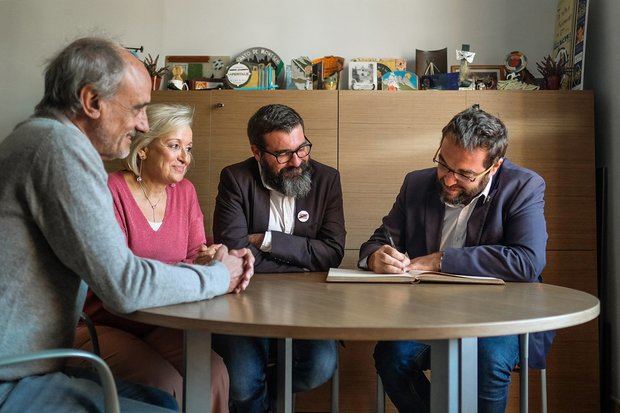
{"x": 155, "y": 73}
{"x": 552, "y": 71}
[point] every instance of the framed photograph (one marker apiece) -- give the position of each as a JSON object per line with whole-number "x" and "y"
{"x": 363, "y": 75}
{"x": 483, "y": 76}
{"x": 197, "y": 68}
{"x": 430, "y": 62}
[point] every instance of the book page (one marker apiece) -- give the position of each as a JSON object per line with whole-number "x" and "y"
{"x": 470, "y": 277}
{"x": 363, "y": 274}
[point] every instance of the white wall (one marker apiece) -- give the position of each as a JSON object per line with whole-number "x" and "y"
{"x": 602, "y": 63}
{"x": 31, "y": 31}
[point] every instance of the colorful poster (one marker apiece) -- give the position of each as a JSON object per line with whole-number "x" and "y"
{"x": 570, "y": 40}
{"x": 579, "y": 49}
{"x": 563, "y": 41}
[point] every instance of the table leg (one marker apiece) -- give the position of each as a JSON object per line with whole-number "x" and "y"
{"x": 197, "y": 383}
{"x": 445, "y": 376}
{"x": 524, "y": 349}
{"x": 285, "y": 375}
{"x": 468, "y": 374}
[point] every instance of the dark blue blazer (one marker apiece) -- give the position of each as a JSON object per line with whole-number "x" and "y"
{"x": 506, "y": 232}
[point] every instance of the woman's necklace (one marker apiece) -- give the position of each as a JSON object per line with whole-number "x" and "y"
{"x": 152, "y": 204}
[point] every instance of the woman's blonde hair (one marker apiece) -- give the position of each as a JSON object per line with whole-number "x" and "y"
{"x": 164, "y": 119}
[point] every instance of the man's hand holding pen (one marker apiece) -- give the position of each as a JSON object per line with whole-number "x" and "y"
{"x": 388, "y": 260}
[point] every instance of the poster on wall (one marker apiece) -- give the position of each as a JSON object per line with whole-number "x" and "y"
{"x": 579, "y": 42}
{"x": 570, "y": 40}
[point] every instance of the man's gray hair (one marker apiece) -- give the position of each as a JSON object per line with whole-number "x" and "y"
{"x": 89, "y": 60}
{"x": 474, "y": 128}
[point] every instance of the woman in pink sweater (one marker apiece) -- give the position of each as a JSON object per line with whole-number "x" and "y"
{"x": 158, "y": 211}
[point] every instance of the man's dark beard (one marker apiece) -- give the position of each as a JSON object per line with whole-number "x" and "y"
{"x": 466, "y": 196}
{"x": 289, "y": 181}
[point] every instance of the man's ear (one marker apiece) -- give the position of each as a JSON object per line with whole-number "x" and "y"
{"x": 256, "y": 152}
{"x": 91, "y": 102}
{"x": 497, "y": 165}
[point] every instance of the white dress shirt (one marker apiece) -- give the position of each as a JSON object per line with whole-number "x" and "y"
{"x": 281, "y": 214}
{"x": 454, "y": 228}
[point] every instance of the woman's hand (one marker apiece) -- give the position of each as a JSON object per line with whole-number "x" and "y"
{"x": 205, "y": 254}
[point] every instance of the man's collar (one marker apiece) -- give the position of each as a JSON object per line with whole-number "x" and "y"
{"x": 487, "y": 189}
{"x": 64, "y": 119}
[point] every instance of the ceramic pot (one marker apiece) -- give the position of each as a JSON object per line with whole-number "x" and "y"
{"x": 553, "y": 82}
{"x": 155, "y": 82}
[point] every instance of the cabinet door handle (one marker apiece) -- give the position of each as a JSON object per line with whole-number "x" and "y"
{"x": 219, "y": 105}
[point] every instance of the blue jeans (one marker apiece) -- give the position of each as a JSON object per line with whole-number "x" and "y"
{"x": 314, "y": 362}
{"x": 78, "y": 391}
{"x": 401, "y": 366}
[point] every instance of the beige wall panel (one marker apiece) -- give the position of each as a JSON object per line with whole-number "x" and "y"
{"x": 571, "y": 221}
{"x": 572, "y": 269}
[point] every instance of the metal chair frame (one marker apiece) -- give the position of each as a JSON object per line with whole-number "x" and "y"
{"x": 111, "y": 404}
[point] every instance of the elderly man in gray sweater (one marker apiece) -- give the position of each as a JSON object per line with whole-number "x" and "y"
{"x": 58, "y": 228}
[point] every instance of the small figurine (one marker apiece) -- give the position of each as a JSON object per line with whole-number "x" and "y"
{"x": 465, "y": 57}
{"x": 176, "y": 83}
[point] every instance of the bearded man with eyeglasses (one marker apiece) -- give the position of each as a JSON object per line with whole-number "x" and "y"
{"x": 475, "y": 213}
{"x": 287, "y": 209}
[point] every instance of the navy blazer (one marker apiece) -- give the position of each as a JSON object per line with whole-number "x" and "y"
{"x": 242, "y": 208}
{"x": 506, "y": 232}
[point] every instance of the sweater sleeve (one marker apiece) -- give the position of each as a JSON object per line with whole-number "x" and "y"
{"x": 72, "y": 206}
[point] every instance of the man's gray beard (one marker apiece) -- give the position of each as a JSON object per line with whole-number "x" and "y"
{"x": 465, "y": 197}
{"x": 297, "y": 186}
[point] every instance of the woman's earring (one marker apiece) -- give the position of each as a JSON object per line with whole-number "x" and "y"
{"x": 139, "y": 177}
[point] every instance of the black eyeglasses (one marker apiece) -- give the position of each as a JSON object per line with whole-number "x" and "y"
{"x": 442, "y": 167}
{"x": 283, "y": 157}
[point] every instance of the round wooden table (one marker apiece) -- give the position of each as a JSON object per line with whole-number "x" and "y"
{"x": 449, "y": 316}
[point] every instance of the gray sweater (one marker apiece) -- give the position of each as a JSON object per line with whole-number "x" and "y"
{"x": 57, "y": 229}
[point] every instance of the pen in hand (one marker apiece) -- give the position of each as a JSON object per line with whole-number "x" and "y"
{"x": 389, "y": 237}
{"x": 387, "y": 234}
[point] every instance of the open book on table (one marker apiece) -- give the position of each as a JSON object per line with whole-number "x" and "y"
{"x": 413, "y": 276}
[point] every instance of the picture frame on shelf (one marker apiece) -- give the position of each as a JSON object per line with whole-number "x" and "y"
{"x": 198, "y": 70}
{"x": 363, "y": 75}
{"x": 483, "y": 76}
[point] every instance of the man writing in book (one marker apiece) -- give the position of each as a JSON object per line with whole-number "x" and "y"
{"x": 287, "y": 209}
{"x": 475, "y": 213}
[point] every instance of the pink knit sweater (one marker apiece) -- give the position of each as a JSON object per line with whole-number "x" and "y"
{"x": 178, "y": 238}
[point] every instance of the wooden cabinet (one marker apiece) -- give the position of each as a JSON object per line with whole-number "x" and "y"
{"x": 374, "y": 139}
